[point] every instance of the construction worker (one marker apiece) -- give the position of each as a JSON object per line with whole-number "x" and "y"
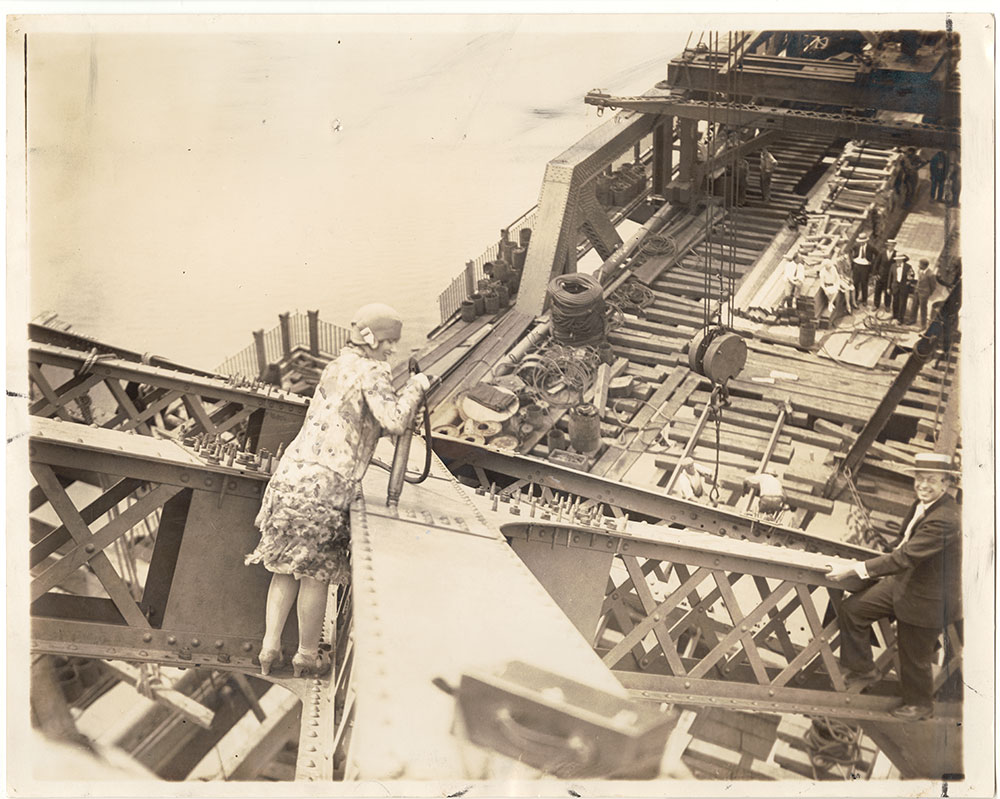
{"x": 926, "y": 282}
{"x": 691, "y": 479}
{"x": 939, "y": 172}
{"x": 920, "y": 585}
{"x": 767, "y": 164}
{"x": 772, "y": 493}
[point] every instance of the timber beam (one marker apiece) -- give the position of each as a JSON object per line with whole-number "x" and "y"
{"x": 895, "y": 132}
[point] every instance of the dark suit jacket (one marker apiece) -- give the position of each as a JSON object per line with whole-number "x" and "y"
{"x": 906, "y": 282}
{"x": 926, "y": 571}
{"x": 884, "y": 264}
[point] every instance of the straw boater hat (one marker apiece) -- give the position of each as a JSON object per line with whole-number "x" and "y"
{"x": 933, "y": 462}
{"x": 862, "y": 237}
{"x": 890, "y": 241}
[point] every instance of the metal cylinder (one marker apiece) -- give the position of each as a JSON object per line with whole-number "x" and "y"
{"x": 480, "y": 303}
{"x": 503, "y": 294}
{"x": 491, "y": 302}
{"x": 468, "y": 311}
{"x": 524, "y": 236}
{"x": 557, "y": 439}
{"x": 584, "y": 428}
{"x": 518, "y": 255}
{"x": 807, "y": 333}
{"x": 534, "y": 414}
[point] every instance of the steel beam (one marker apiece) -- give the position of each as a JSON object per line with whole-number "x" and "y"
{"x": 764, "y": 699}
{"x": 555, "y": 232}
{"x": 777, "y": 78}
{"x": 897, "y": 132}
{"x": 672, "y": 510}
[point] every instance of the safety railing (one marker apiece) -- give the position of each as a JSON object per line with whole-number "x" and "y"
{"x": 246, "y": 363}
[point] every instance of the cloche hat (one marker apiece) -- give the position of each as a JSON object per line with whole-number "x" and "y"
{"x": 375, "y": 322}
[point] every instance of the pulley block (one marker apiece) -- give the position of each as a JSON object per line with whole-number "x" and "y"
{"x": 717, "y": 353}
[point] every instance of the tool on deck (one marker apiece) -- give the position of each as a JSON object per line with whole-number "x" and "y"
{"x": 398, "y": 475}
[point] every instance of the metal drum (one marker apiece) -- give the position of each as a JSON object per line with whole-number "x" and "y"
{"x": 718, "y": 354}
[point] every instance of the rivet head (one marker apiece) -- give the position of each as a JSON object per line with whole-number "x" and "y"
{"x": 219, "y": 644}
{"x": 195, "y": 642}
{"x": 656, "y": 617}
{"x": 209, "y": 482}
{"x": 687, "y": 684}
{"x": 171, "y": 640}
{"x": 147, "y": 637}
{"x": 770, "y": 692}
{"x": 89, "y": 548}
{"x": 232, "y": 485}
{"x": 743, "y": 628}
{"x": 247, "y": 646}
{"x": 716, "y": 562}
{"x": 185, "y": 478}
{"x": 614, "y": 595}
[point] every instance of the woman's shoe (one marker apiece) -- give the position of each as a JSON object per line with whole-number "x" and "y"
{"x": 314, "y": 666}
{"x": 269, "y": 659}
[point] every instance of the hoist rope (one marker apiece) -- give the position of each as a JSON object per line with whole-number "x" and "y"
{"x": 577, "y": 309}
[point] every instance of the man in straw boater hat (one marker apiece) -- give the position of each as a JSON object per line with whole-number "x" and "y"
{"x": 920, "y": 585}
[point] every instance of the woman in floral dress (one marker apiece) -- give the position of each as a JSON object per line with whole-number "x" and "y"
{"x": 304, "y": 516}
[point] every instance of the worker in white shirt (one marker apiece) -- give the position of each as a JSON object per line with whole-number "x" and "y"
{"x": 794, "y": 274}
{"x": 692, "y": 479}
{"x": 767, "y": 164}
{"x": 772, "y": 493}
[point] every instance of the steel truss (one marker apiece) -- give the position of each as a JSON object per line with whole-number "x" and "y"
{"x": 684, "y": 617}
{"x": 146, "y": 397}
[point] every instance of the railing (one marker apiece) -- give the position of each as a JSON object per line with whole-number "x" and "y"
{"x": 245, "y": 363}
{"x": 465, "y": 283}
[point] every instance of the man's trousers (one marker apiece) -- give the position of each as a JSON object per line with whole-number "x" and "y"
{"x": 916, "y": 644}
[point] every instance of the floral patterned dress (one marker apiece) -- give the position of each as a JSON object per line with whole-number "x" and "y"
{"x": 304, "y": 515}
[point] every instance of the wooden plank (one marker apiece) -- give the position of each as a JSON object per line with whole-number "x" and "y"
{"x": 665, "y": 402}
{"x": 187, "y": 707}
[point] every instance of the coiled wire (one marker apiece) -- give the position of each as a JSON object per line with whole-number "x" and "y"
{"x": 577, "y": 308}
{"x": 558, "y": 375}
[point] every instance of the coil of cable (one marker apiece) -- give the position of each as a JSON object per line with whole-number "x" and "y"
{"x": 578, "y": 310}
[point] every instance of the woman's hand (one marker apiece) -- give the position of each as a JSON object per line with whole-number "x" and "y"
{"x": 421, "y": 380}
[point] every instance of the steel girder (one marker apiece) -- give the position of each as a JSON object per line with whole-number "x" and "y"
{"x": 554, "y": 239}
{"x": 811, "y": 81}
{"x": 672, "y": 510}
{"x": 896, "y": 132}
{"x": 425, "y": 608}
{"x": 700, "y": 622}
{"x": 274, "y": 415}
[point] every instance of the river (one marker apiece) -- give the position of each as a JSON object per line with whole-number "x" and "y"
{"x": 185, "y": 188}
